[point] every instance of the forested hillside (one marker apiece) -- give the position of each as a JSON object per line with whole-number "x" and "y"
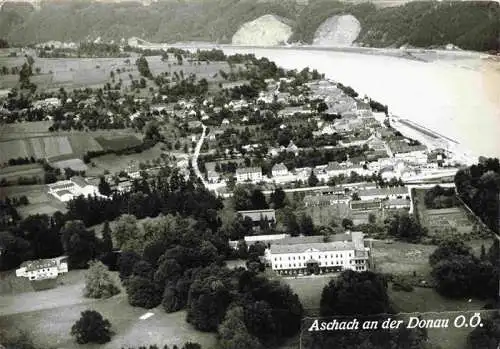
{"x": 469, "y": 25}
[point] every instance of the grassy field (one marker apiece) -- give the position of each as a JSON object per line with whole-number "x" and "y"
{"x": 40, "y": 201}
{"x": 12, "y": 173}
{"x": 422, "y": 300}
{"x": 118, "y": 142}
{"x": 93, "y": 72}
{"x": 114, "y": 163}
{"x": 433, "y": 306}
{"x": 48, "y": 317}
{"x": 401, "y": 257}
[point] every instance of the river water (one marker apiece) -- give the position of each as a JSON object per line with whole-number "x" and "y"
{"x": 458, "y": 97}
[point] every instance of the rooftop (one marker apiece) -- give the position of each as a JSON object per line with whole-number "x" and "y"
{"x": 313, "y": 247}
{"x": 245, "y": 170}
{"x": 384, "y": 191}
{"x": 258, "y": 215}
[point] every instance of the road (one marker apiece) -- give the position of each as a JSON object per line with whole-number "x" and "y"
{"x": 194, "y": 159}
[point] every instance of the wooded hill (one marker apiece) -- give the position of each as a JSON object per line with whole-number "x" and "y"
{"x": 469, "y": 25}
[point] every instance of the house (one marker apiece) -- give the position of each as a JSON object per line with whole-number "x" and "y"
{"x": 69, "y": 189}
{"x": 47, "y": 103}
{"x": 375, "y": 143}
{"x": 250, "y": 240}
{"x": 397, "y": 204}
{"x": 365, "y": 205}
{"x": 213, "y": 177}
{"x": 292, "y": 148}
{"x": 259, "y": 216}
{"x": 292, "y": 111}
{"x": 253, "y": 174}
{"x": 233, "y": 84}
{"x": 344, "y": 252}
{"x": 43, "y": 269}
{"x": 382, "y": 193}
{"x": 279, "y": 170}
{"x": 325, "y": 200}
{"x": 225, "y": 122}
{"x": 335, "y": 169}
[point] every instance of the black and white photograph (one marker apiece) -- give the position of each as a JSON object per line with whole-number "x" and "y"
{"x": 249, "y": 174}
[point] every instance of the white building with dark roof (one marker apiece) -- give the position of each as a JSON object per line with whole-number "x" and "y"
{"x": 279, "y": 170}
{"x": 253, "y": 174}
{"x": 343, "y": 252}
{"x": 69, "y": 189}
{"x": 43, "y": 269}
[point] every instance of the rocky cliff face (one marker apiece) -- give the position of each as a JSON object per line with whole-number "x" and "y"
{"x": 338, "y": 31}
{"x": 268, "y": 30}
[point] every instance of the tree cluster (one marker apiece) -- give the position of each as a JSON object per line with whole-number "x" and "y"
{"x": 458, "y": 273}
{"x": 479, "y": 187}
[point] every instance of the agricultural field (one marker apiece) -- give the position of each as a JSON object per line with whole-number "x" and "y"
{"x": 39, "y": 201}
{"x": 14, "y": 149}
{"x": 12, "y": 173}
{"x": 452, "y": 221}
{"x": 82, "y": 143}
{"x": 25, "y": 130}
{"x": 74, "y": 164}
{"x": 50, "y": 147}
{"x": 48, "y": 316}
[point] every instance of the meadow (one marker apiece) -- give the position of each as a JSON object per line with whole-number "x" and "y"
{"x": 48, "y": 316}
{"x": 71, "y": 73}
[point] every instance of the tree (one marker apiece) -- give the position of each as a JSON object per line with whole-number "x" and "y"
{"x": 449, "y": 248}
{"x": 486, "y": 336}
{"x": 355, "y": 293}
{"x": 233, "y": 333}
{"x": 258, "y": 200}
{"x": 306, "y": 225}
{"x": 143, "y": 67}
{"x": 91, "y": 328}
{"x": 107, "y": 241}
{"x": 143, "y": 292}
{"x": 405, "y": 227}
{"x": 260, "y": 322}
{"x": 126, "y": 263}
{"x": 312, "y": 181}
{"x": 278, "y": 198}
{"x": 79, "y": 244}
{"x": 104, "y": 187}
{"x": 13, "y": 250}
{"x": 168, "y": 270}
{"x": 98, "y": 282}
{"x": 207, "y": 303}
{"x": 126, "y": 229}
{"x": 347, "y": 223}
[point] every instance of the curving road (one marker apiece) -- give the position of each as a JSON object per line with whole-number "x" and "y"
{"x": 194, "y": 159}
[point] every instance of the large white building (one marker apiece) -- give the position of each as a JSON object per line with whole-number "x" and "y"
{"x": 313, "y": 255}
{"x": 69, "y": 189}
{"x": 253, "y": 174}
{"x": 43, "y": 269}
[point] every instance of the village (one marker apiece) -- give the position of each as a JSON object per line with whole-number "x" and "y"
{"x": 226, "y": 166}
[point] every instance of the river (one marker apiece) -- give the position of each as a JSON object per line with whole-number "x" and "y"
{"x": 457, "y": 96}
